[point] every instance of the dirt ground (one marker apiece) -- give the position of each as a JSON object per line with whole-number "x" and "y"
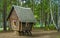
{"x": 35, "y": 34}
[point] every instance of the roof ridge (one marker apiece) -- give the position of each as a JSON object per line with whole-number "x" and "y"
{"x": 20, "y": 7}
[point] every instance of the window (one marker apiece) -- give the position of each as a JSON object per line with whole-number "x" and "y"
{"x": 14, "y": 22}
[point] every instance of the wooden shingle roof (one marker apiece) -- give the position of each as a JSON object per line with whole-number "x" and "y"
{"x": 24, "y": 14}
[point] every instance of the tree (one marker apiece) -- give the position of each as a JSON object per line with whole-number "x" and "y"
{"x": 4, "y": 13}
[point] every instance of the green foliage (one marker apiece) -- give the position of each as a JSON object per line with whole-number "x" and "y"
{"x": 37, "y": 25}
{"x": 52, "y": 27}
{"x": 46, "y": 28}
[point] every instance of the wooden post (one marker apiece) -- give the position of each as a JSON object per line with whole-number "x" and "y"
{"x": 21, "y": 26}
{"x": 26, "y": 23}
{"x": 32, "y": 26}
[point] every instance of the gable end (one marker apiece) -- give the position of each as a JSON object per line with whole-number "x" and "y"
{"x": 10, "y": 13}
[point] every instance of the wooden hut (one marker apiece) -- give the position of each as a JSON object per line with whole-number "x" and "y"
{"x": 21, "y": 19}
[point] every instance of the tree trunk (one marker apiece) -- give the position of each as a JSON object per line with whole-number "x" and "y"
{"x": 4, "y": 14}
{"x": 45, "y": 19}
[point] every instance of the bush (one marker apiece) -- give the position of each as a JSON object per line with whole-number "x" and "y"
{"x": 46, "y": 28}
{"x": 52, "y": 27}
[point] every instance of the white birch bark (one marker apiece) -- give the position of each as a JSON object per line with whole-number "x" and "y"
{"x": 52, "y": 16}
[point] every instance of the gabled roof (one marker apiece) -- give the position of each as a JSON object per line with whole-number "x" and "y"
{"x": 24, "y": 14}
